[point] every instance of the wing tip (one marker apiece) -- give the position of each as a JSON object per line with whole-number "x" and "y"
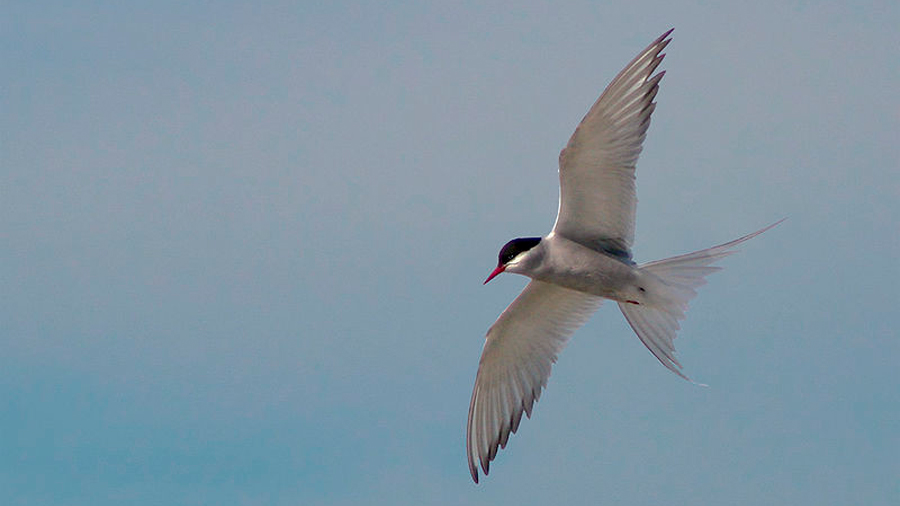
{"x": 473, "y": 470}
{"x": 665, "y": 35}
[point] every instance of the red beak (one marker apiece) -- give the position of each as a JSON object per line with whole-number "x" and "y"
{"x": 498, "y": 270}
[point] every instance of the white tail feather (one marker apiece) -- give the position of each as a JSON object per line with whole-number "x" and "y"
{"x": 656, "y": 324}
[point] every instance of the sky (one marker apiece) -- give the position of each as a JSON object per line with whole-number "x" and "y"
{"x": 242, "y": 248}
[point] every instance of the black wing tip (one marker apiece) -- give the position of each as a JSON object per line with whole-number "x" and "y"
{"x": 661, "y": 42}
{"x": 486, "y": 466}
{"x": 473, "y": 470}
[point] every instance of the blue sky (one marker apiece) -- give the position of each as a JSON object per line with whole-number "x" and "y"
{"x": 242, "y": 247}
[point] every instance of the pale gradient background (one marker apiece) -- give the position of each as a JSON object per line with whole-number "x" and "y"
{"x": 242, "y": 247}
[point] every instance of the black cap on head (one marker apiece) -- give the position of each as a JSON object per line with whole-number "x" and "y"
{"x": 516, "y": 246}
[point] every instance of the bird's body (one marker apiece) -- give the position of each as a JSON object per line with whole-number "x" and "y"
{"x": 566, "y": 263}
{"x": 585, "y": 259}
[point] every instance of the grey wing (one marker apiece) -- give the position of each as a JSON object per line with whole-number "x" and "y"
{"x": 597, "y": 199}
{"x": 519, "y": 351}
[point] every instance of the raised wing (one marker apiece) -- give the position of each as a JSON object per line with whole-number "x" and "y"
{"x": 596, "y": 169}
{"x": 520, "y": 349}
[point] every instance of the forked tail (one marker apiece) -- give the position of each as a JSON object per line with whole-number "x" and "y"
{"x": 656, "y": 325}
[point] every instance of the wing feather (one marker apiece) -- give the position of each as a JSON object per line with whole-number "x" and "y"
{"x": 518, "y": 354}
{"x": 596, "y": 169}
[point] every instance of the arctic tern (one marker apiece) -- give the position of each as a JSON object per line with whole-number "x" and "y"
{"x": 584, "y": 259}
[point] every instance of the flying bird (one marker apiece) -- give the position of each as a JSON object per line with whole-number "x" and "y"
{"x": 584, "y": 259}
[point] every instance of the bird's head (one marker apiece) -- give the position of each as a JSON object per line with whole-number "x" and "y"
{"x": 512, "y": 254}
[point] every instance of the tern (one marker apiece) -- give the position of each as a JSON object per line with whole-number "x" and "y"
{"x": 584, "y": 259}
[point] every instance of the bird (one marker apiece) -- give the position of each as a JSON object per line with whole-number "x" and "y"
{"x": 585, "y": 259}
